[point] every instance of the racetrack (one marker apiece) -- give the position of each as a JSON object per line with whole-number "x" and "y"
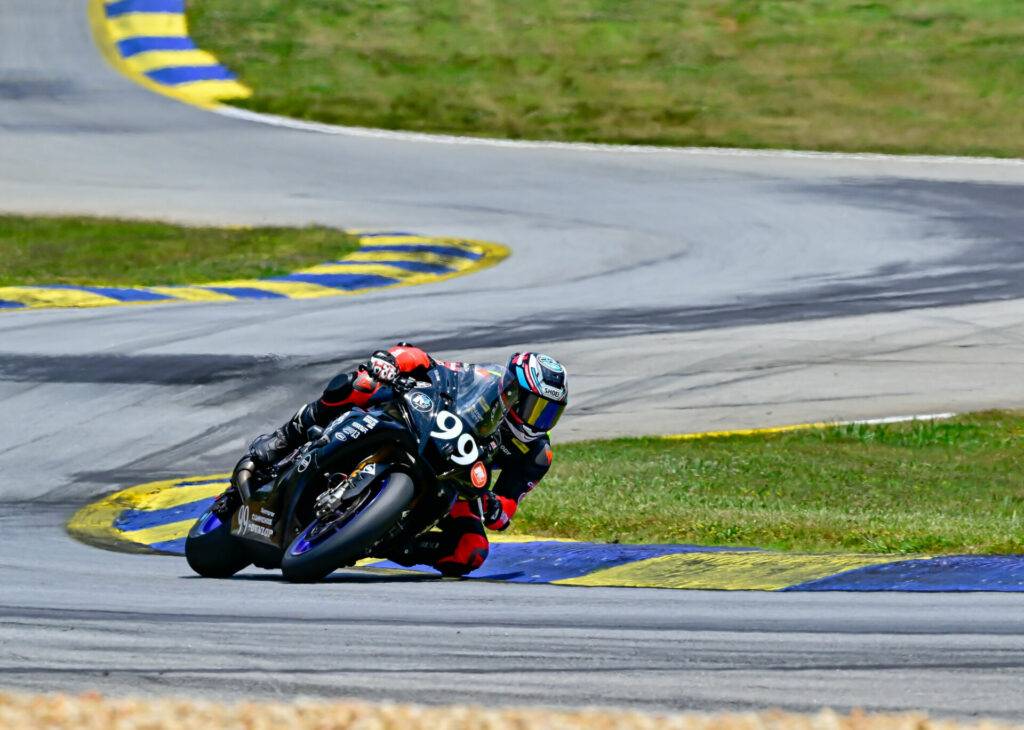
{"x": 684, "y": 290}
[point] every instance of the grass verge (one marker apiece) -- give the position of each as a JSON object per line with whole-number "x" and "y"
{"x": 97, "y": 251}
{"x": 938, "y": 487}
{"x": 927, "y": 76}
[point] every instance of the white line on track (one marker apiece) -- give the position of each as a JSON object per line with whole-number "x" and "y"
{"x": 902, "y": 419}
{"x": 804, "y": 427}
{"x": 318, "y": 127}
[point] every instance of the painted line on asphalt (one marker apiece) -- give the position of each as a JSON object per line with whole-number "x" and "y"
{"x": 805, "y": 427}
{"x": 383, "y": 261}
{"x": 148, "y": 41}
{"x": 156, "y": 517}
{"x": 449, "y": 139}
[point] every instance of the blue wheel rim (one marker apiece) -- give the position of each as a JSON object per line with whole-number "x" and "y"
{"x": 303, "y": 544}
{"x": 208, "y": 523}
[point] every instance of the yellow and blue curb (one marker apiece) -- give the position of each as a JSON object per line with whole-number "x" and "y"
{"x": 148, "y": 41}
{"x": 156, "y": 517}
{"x": 383, "y": 260}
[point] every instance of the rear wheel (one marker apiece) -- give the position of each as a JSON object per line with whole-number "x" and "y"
{"x": 211, "y": 549}
{"x": 320, "y": 549}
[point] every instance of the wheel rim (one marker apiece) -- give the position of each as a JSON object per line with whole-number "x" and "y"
{"x": 208, "y": 523}
{"x": 316, "y": 532}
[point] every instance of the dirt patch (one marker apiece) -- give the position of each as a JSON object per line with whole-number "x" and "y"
{"x": 91, "y": 711}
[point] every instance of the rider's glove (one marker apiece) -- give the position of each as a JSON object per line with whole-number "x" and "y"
{"x": 494, "y": 516}
{"x": 491, "y": 445}
{"x": 404, "y": 383}
{"x": 269, "y": 448}
{"x": 383, "y": 367}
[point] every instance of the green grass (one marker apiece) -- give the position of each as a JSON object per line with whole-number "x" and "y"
{"x": 929, "y": 76}
{"x": 95, "y": 251}
{"x": 937, "y": 487}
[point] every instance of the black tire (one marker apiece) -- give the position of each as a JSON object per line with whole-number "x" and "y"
{"x": 216, "y": 553}
{"x": 351, "y": 541}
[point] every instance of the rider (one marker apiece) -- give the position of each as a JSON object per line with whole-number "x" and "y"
{"x": 523, "y": 453}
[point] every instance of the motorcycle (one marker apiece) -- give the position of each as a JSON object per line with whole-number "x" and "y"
{"x": 365, "y": 486}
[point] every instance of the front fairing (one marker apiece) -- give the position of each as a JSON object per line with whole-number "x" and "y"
{"x": 454, "y": 416}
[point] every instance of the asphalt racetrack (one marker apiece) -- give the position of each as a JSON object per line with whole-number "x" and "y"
{"x": 685, "y": 291}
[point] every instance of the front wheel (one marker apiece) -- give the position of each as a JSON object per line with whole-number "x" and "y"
{"x": 318, "y": 550}
{"x": 211, "y": 549}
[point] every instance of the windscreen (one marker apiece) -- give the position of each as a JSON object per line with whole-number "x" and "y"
{"x": 484, "y": 397}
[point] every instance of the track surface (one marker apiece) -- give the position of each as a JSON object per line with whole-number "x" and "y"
{"x": 684, "y": 291}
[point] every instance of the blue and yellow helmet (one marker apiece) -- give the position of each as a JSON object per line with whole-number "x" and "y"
{"x": 542, "y": 393}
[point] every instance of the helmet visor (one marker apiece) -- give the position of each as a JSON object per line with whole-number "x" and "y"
{"x": 540, "y": 414}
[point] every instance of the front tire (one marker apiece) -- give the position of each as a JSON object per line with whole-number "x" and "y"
{"x": 212, "y": 551}
{"x": 305, "y": 561}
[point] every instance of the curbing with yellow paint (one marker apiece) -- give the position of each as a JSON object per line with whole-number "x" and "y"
{"x": 732, "y": 571}
{"x": 111, "y": 34}
{"x": 383, "y": 261}
{"x": 94, "y": 524}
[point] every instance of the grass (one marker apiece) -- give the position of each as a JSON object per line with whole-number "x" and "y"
{"x": 925, "y": 76}
{"x": 938, "y": 487}
{"x": 97, "y": 251}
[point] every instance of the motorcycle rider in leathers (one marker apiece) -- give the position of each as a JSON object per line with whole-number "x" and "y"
{"x": 522, "y": 454}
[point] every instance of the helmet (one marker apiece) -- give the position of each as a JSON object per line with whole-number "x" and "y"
{"x": 542, "y": 394}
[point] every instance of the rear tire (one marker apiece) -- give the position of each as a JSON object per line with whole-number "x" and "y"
{"x": 212, "y": 551}
{"x": 304, "y": 563}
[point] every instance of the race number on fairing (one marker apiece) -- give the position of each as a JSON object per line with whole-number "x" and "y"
{"x": 450, "y": 427}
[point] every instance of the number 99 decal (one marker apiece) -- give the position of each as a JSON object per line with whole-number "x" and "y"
{"x": 450, "y": 428}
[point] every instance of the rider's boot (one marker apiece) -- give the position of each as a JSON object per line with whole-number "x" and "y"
{"x": 265, "y": 451}
{"x": 421, "y": 550}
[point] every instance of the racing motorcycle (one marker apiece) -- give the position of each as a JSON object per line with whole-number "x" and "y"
{"x": 366, "y": 485}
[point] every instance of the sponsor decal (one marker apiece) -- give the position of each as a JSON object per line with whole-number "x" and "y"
{"x": 551, "y": 392}
{"x": 360, "y": 427}
{"x": 249, "y": 524}
{"x": 341, "y": 436}
{"x": 370, "y": 421}
{"x": 478, "y": 475}
{"x": 304, "y": 462}
{"x": 369, "y": 470}
{"x": 550, "y": 363}
{"x": 350, "y": 432}
{"x": 264, "y": 517}
{"x": 421, "y": 402}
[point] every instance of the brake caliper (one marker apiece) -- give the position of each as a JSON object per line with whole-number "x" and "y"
{"x": 329, "y": 502}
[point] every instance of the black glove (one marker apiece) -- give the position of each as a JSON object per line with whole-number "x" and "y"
{"x": 404, "y": 383}
{"x": 383, "y": 366}
{"x": 491, "y": 445}
{"x": 269, "y": 448}
{"x": 494, "y": 516}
